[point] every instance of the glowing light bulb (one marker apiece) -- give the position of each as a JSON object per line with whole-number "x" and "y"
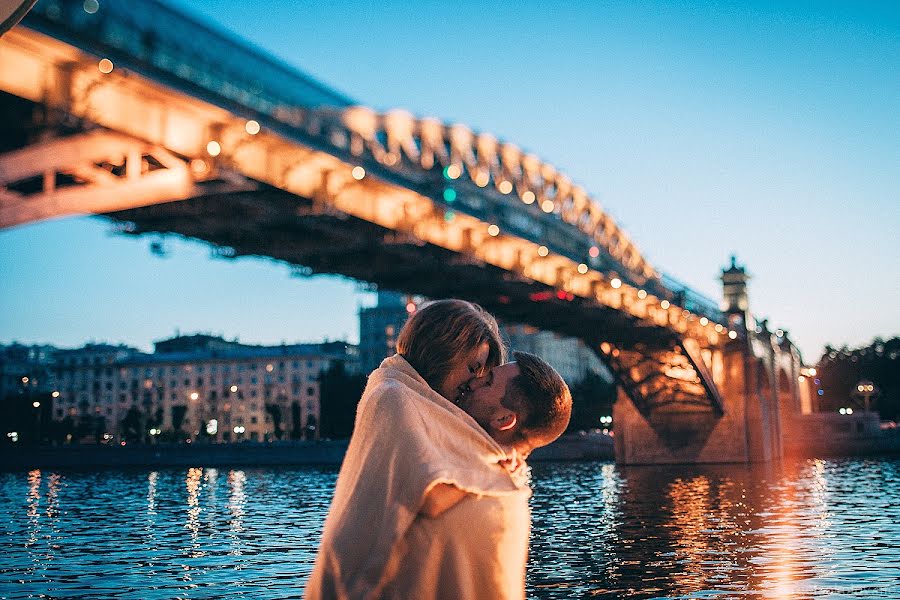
{"x": 616, "y": 283}
{"x": 582, "y": 268}
{"x": 493, "y": 230}
{"x": 213, "y": 148}
{"x": 547, "y": 206}
{"x": 452, "y": 172}
{"x": 594, "y": 252}
{"x": 251, "y": 127}
{"x": 358, "y": 173}
{"x": 482, "y": 179}
{"x": 199, "y": 167}
{"x": 732, "y": 334}
{"x": 505, "y": 187}
{"x": 642, "y": 294}
{"x": 105, "y": 65}
{"x": 704, "y": 321}
{"x": 528, "y": 197}
{"x": 543, "y": 251}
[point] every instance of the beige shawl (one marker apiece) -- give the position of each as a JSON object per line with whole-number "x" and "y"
{"x": 407, "y": 438}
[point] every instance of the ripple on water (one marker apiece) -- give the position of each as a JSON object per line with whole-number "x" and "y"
{"x": 805, "y": 529}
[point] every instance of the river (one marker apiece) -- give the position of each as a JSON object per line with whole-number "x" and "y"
{"x": 811, "y": 528}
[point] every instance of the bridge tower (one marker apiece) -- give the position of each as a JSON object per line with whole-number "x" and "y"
{"x": 752, "y": 371}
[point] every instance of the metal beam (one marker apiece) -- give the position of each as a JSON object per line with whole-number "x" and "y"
{"x": 57, "y": 154}
{"x": 164, "y": 185}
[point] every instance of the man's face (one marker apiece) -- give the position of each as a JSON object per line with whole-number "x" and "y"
{"x": 482, "y": 399}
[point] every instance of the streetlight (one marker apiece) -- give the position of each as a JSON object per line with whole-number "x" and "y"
{"x": 866, "y": 389}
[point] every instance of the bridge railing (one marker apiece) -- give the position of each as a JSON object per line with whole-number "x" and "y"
{"x": 161, "y": 42}
{"x": 692, "y": 300}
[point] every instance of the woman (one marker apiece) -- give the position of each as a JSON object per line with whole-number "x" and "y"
{"x": 410, "y": 439}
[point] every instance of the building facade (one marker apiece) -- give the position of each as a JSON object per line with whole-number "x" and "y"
{"x": 198, "y": 388}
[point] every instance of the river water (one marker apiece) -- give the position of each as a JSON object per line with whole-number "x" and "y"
{"x": 816, "y": 528}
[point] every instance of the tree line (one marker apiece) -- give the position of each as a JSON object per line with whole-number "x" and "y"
{"x": 840, "y": 371}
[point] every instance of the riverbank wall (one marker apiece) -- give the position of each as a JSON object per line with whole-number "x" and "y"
{"x": 579, "y": 446}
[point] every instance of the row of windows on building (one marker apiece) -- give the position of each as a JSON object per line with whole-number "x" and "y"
{"x": 81, "y": 379}
{"x": 226, "y": 410}
{"x": 71, "y": 395}
{"x": 215, "y": 368}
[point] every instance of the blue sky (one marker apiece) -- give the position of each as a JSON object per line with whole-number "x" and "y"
{"x": 771, "y": 130}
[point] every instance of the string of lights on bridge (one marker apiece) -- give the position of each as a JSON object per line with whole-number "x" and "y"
{"x": 463, "y": 153}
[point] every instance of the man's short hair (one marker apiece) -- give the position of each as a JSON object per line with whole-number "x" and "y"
{"x": 540, "y": 395}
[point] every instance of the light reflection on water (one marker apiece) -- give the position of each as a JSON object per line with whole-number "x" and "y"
{"x": 793, "y": 530}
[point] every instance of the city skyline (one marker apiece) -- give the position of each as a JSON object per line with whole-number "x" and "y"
{"x": 766, "y": 133}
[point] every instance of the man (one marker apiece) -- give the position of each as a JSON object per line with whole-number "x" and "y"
{"x": 465, "y": 545}
{"x": 523, "y": 405}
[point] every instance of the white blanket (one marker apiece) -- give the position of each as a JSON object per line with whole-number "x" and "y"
{"x": 407, "y": 439}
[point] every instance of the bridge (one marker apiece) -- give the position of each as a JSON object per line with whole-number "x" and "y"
{"x": 138, "y": 113}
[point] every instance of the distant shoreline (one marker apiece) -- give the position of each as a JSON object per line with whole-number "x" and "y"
{"x": 571, "y": 447}
{"x": 246, "y": 454}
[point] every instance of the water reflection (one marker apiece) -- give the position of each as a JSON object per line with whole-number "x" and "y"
{"x": 34, "y": 506}
{"x": 236, "y": 480}
{"x": 769, "y": 531}
{"x": 798, "y": 530}
{"x": 193, "y": 485}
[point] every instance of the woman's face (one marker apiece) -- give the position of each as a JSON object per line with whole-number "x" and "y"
{"x": 472, "y": 365}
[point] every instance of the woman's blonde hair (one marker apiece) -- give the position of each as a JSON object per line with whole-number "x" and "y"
{"x": 442, "y": 333}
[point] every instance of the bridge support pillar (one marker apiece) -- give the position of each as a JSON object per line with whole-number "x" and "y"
{"x": 747, "y": 430}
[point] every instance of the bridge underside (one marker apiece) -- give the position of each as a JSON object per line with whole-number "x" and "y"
{"x": 273, "y": 224}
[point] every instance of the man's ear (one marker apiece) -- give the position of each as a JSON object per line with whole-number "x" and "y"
{"x": 504, "y": 421}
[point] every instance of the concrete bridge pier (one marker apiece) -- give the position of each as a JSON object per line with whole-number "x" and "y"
{"x": 754, "y": 376}
{"x": 748, "y": 429}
